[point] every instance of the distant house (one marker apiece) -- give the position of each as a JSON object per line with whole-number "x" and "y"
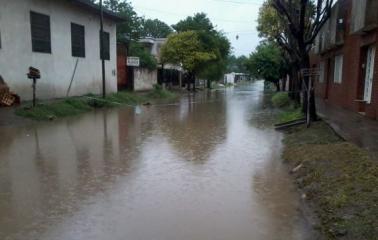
{"x": 232, "y": 78}
{"x": 345, "y": 53}
{"x": 167, "y": 74}
{"x": 62, "y": 39}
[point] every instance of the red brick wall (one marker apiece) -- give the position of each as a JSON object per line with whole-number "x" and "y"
{"x": 351, "y": 88}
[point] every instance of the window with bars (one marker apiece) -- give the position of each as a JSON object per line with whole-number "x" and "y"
{"x": 78, "y": 40}
{"x": 40, "y": 32}
{"x": 106, "y": 45}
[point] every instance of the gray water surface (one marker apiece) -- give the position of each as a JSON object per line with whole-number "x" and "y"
{"x": 203, "y": 169}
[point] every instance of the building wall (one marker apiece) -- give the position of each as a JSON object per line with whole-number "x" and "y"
{"x": 144, "y": 79}
{"x": 57, "y": 68}
{"x": 349, "y": 93}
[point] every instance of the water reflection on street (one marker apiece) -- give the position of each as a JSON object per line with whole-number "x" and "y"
{"x": 202, "y": 169}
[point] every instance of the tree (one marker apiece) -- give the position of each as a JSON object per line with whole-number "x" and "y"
{"x": 267, "y": 63}
{"x": 155, "y": 28}
{"x": 237, "y": 64}
{"x": 185, "y": 48}
{"x": 212, "y": 41}
{"x": 130, "y": 28}
{"x": 217, "y": 43}
{"x": 199, "y": 22}
{"x": 146, "y": 59}
{"x": 300, "y": 22}
{"x": 273, "y": 28}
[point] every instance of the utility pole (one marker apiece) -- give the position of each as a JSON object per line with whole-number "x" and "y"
{"x": 102, "y": 49}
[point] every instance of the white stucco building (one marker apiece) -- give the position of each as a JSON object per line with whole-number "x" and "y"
{"x": 232, "y": 78}
{"x": 54, "y": 35}
{"x": 145, "y": 79}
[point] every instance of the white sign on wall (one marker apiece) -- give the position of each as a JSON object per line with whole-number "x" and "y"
{"x": 133, "y": 61}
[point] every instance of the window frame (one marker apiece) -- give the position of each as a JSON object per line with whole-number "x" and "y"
{"x": 39, "y": 44}
{"x": 338, "y": 69}
{"x": 78, "y": 41}
{"x": 106, "y": 44}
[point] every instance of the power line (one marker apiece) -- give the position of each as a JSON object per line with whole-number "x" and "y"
{"x": 176, "y": 14}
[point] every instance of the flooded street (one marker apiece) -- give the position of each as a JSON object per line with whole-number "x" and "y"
{"x": 203, "y": 169}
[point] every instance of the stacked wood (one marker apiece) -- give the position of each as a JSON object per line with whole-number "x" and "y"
{"x": 7, "y": 98}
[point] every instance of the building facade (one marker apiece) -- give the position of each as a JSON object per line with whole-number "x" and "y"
{"x": 345, "y": 53}
{"x": 62, "y": 39}
{"x": 167, "y": 74}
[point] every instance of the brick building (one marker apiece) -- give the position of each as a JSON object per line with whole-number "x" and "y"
{"x": 345, "y": 53}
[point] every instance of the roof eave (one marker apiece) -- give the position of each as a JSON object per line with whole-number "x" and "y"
{"x": 95, "y": 8}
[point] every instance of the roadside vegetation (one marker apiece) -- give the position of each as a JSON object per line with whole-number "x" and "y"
{"x": 77, "y": 105}
{"x": 338, "y": 179}
{"x": 288, "y": 109}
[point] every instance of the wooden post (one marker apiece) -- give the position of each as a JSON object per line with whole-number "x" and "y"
{"x": 34, "y": 89}
{"x": 308, "y": 101}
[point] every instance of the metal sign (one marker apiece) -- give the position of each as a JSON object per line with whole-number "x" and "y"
{"x": 310, "y": 72}
{"x": 133, "y": 61}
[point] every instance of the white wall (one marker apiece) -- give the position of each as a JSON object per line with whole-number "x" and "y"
{"x": 144, "y": 79}
{"x": 229, "y": 78}
{"x": 16, "y": 53}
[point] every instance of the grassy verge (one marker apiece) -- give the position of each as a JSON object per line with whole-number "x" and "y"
{"x": 288, "y": 110}
{"x": 77, "y": 105}
{"x": 339, "y": 179}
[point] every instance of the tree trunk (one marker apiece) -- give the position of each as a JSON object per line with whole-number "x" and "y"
{"x": 194, "y": 82}
{"x": 311, "y": 100}
{"x": 208, "y": 84}
{"x": 283, "y": 80}
{"x": 188, "y": 80}
{"x": 295, "y": 86}
{"x": 278, "y": 88}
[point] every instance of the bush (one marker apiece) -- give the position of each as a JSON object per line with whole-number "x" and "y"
{"x": 160, "y": 93}
{"x": 290, "y": 115}
{"x": 281, "y": 99}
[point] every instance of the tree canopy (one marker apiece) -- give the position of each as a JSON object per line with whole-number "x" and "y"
{"x": 154, "y": 28}
{"x": 294, "y": 25}
{"x": 186, "y": 48}
{"x": 211, "y": 41}
{"x": 135, "y": 27}
{"x": 267, "y": 63}
{"x": 146, "y": 59}
{"x": 199, "y": 22}
{"x": 237, "y": 64}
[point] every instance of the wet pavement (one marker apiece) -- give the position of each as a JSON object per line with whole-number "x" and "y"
{"x": 352, "y": 126}
{"x": 202, "y": 169}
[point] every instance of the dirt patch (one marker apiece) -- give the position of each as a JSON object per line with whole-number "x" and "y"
{"x": 339, "y": 180}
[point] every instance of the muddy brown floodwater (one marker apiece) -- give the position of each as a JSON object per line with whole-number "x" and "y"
{"x": 203, "y": 169}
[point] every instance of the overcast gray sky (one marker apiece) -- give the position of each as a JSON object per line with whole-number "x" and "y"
{"x": 234, "y": 17}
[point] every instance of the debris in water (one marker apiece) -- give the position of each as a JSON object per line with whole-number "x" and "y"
{"x": 296, "y": 169}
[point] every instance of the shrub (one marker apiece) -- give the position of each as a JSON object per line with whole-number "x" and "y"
{"x": 281, "y": 99}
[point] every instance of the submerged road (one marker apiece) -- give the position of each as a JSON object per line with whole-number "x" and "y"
{"x": 203, "y": 169}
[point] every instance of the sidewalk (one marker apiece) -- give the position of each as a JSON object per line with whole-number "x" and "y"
{"x": 352, "y": 126}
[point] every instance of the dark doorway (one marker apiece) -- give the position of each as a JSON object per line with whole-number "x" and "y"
{"x": 121, "y": 66}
